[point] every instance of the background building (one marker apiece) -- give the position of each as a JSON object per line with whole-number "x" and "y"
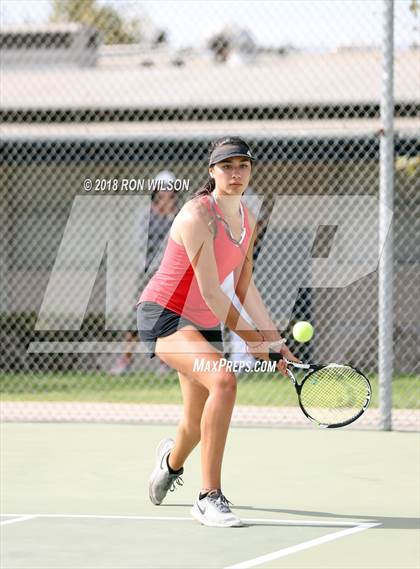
{"x": 76, "y": 106}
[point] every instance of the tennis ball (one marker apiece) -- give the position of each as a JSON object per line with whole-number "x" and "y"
{"x": 303, "y": 331}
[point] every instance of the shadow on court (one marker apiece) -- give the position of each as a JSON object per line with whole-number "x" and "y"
{"x": 385, "y": 522}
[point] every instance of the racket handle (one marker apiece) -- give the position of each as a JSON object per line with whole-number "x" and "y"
{"x": 303, "y": 366}
{"x": 275, "y": 356}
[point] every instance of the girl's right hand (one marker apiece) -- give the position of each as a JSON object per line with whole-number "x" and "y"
{"x": 260, "y": 350}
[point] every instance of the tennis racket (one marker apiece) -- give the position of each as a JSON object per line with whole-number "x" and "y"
{"x": 331, "y": 395}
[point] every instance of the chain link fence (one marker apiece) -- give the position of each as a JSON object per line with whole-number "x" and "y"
{"x": 95, "y": 131}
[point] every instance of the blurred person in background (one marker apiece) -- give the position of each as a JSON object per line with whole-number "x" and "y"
{"x": 162, "y": 213}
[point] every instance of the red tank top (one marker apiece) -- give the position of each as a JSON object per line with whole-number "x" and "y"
{"x": 175, "y": 286}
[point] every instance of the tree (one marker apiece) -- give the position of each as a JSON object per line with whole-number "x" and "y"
{"x": 114, "y": 28}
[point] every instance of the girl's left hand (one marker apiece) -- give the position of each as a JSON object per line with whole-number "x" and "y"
{"x": 287, "y": 355}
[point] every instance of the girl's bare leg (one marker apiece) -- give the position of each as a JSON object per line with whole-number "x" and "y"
{"x": 179, "y": 351}
{"x": 188, "y": 435}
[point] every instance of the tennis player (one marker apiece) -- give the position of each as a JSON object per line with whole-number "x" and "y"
{"x": 179, "y": 318}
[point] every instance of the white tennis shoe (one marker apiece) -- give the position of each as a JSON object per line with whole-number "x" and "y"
{"x": 214, "y": 510}
{"x": 161, "y": 481}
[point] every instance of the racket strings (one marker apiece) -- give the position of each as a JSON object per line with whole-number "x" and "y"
{"x": 334, "y": 395}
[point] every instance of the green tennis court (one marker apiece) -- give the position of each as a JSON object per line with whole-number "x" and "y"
{"x": 75, "y": 496}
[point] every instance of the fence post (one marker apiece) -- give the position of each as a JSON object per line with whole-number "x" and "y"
{"x": 386, "y": 203}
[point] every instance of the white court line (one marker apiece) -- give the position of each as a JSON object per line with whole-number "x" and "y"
{"x": 102, "y": 517}
{"x": 15, "y": 520}
{"x": 241, "y": 565}
{"x": 299, "y": 522}
{"x": 300, "y": 547}
{"x": 184, "y": 519}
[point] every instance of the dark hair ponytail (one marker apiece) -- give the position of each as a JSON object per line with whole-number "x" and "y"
{"x": 206, "y": 188}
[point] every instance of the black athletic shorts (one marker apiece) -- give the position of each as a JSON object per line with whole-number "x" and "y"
{"x": 155, "y": 321}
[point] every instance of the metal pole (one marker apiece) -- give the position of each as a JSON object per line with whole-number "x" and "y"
{"x": 386, "y": 204}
